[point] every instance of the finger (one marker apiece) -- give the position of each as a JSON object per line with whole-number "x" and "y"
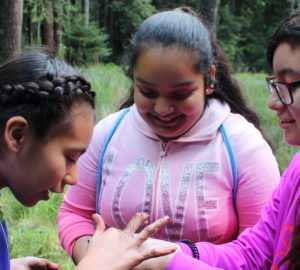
{"x": 152, "y": 229}
{"x": 53, "y": 266}
{"x": 135, "y": 222}
{"x": 99, "y": 223}
{"x": 157, "y": 252}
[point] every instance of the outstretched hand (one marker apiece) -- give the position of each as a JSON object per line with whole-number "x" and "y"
{"x": 114, "y": 249}
{"x": 32, "y": 263}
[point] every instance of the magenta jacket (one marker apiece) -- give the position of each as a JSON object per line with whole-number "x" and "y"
{"x": 261, "y": 247}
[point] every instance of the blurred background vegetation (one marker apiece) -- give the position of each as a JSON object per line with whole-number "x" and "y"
{"x": 92, "y": 31}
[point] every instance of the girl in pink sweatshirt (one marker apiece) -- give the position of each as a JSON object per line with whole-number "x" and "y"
{"x": 169, "y": 155}
{"x": 274, "y": 242}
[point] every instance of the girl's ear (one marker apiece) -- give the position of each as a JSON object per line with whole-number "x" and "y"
{"x": 213, "y": 72}
{"x": 16, "y": 130}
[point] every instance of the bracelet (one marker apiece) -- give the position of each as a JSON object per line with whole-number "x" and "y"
{"x": 192, "y": 246}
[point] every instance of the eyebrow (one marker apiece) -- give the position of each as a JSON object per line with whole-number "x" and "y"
{"x": 172, "y": 86}
{"x": 144, "y": 82}
{"x": 286, "y": 71}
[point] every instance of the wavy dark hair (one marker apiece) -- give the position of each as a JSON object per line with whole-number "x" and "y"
{"x": 42, "y": 89}
{"x": 288, "y": 32}
{"x": 183, "y": 28}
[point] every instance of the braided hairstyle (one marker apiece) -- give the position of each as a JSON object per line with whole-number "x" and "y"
{"x": 183, "y": 28}
{"x": 42, "y": 89}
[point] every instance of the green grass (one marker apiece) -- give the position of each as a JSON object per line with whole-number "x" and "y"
{"x": 256, "y": 92}
{"x": 33, "y": 230}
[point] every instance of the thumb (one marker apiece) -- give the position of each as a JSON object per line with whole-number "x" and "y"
{"x": 99, "y": 223}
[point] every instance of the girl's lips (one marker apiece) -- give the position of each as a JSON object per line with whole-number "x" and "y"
{"x": 167, "y": 121}
{"x": 285, "y": 124}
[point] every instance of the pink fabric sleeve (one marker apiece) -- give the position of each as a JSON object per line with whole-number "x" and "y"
{"x": 75, "y": 215}
{"x": 258, "y": 171}
{"x": 183, "y": 261}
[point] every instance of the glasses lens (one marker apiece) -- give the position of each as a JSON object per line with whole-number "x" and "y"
{"x": 270, "y": 86}
{"x": 283, "y": 92}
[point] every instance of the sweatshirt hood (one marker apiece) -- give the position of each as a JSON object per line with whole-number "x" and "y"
{"x": 205, "y": 129}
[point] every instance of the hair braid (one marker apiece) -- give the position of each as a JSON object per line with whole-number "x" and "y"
{"x": 46, "y": 90}
{"x": 45, "y": 101}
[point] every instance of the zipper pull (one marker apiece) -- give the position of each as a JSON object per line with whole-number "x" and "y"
{"x": 163, "y": 150}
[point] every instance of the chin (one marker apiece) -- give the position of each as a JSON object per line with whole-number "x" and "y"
{"x": 28, "y": 202}
{"x": 292, "y": 141}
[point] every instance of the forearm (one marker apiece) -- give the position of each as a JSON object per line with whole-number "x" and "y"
{"x": 80, "y": 248}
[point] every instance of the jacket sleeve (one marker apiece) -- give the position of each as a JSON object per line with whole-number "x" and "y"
{"x": 252, "y": 250}
{"x": 79, "y": 203}
{"x": 258, "y": 172}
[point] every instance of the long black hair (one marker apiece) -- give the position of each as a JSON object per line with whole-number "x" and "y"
{"x": 183, "y": 28}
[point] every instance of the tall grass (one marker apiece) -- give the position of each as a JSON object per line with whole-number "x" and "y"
{"x": 33, "y": 230}
{"x": 256, "y": 92}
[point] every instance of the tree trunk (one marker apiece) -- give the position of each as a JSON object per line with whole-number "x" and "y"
{"x": 29, "y": 25}
{"x": 12, "y": 28}
{"x": 86, "y": 10}
{"x": 57, "y": 31}
{"x": 48, "y": 30}
{"x": 209, "y": 10}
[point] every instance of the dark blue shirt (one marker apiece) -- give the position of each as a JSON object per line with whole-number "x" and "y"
{"x": 4, "y": 247}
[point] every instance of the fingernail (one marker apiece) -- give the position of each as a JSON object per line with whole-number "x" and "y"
{"x": 145, "y": 215}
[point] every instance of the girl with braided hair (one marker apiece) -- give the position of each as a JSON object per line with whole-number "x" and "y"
{"x": 46, "y": 122}
{"x": 189, "y": 147}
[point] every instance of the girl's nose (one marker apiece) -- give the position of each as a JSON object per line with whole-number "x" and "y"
{"x": 163, "y": 106}
{"x": 274, "y": 102}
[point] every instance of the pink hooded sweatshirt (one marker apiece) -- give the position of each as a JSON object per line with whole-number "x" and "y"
{"x": 190, "y": 178}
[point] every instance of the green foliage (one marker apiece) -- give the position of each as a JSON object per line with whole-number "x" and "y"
{"x": 85, "y": 43}
{"x": 244, "y": 28}
{"x": 126, "y": 16}
{"x": 111, "y": 86}
{"x": 33, "y": 231}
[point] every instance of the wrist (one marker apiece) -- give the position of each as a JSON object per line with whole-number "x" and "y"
{"x": 193, "y": 248}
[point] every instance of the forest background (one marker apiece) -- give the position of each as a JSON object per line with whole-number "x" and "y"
{"x": 92, "y": 35}
{"x": 93, "y": 31}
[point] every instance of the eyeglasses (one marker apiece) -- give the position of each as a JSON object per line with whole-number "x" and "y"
{"x": 284, "y": 90}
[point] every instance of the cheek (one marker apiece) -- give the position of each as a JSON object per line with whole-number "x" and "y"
{"x": 56, "y": 170}
{"x": 193, "y": 106}
{"x": 143, "y": 104}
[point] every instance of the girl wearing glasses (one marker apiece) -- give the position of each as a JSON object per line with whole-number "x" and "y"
{"x": 168, "y": 155}
{"x": 274, "y": 242}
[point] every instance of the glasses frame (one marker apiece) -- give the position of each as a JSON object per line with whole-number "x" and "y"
{"x": 270, "y": 81}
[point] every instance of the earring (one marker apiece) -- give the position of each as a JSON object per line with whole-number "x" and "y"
{"x": 209, "y": 91}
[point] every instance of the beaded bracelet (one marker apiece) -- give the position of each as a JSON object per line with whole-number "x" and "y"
{"x": 192, "y": 246}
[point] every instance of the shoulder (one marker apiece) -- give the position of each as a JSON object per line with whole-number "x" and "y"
{"x": 243, "y": 132}
{"x": 249, "y": 146}
{"x": 293, "y": 170}
{"x": 104, "y": 126}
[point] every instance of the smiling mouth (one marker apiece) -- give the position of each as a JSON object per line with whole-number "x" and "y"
{"x": 287, "y": 121}
{"x": 166, "y": 119}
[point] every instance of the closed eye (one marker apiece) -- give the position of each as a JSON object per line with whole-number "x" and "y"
{"x": 71, "y": 160}
{"x": 181, "y": 96}
{"x": 148, "y": 93}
